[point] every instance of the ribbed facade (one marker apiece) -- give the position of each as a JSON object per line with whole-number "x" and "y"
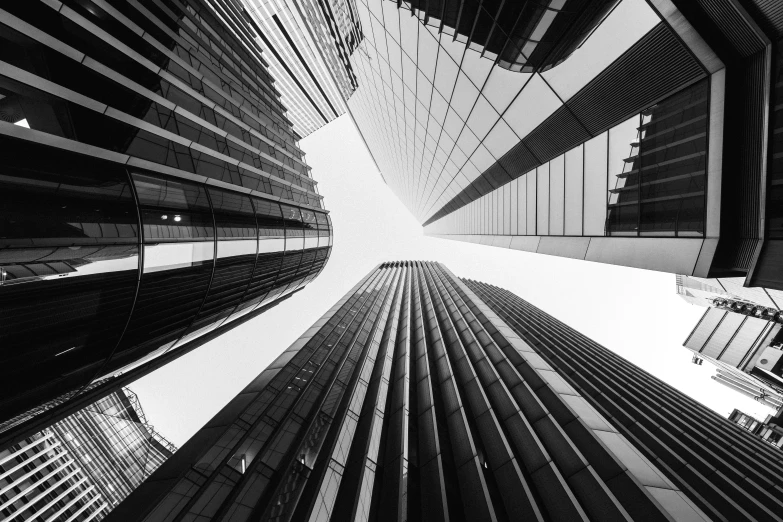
{"x": 152, "y": 188}
{"x": 81, "y": 467}
{"x": 307, "y": 44}
{"x": 420, "y": 396}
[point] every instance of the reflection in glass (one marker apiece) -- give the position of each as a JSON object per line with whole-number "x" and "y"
{"x": 178, "y": 273}
{"x": 69, "y": 260}
{"x": 235, "y": 223}
{"x": 665, "y": 170}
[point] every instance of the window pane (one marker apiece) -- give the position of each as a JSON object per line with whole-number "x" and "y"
{"x": 595, "y": 177}
{"x": 623, "y": 181}
{"x": 673, "y": 164}
{"x": 574, "y": 179}
{"x": 531, "y": 203}
{"x": 556, "y": 195}
{"x": 69, "y": 260}
{"x": 542, "y": 200}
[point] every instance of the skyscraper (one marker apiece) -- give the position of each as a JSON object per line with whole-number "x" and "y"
{"x": 421, "y": 396}
{"x": 587, "y": 129}
{"x": 307, "y": 44}
{"x": 152, "y": 187}
{"x": 81, "y": 467}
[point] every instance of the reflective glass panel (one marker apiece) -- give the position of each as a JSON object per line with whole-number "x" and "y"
{"x": 69, "y": 262}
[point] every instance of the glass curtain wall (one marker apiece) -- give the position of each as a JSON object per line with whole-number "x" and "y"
{"x": 643, "y": 177}
{"x": 153, "y": 188}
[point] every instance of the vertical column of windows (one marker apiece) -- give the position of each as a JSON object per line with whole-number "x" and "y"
{"x": 305, "y": 375}
{"x": 497, "y": 464}
{"x": 344, "y": 432}
{"x": 356, "y": 492}
{"x": 475, "y": 495}
{"x": 323, "y": 447}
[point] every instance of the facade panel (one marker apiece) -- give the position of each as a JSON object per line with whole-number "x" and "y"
{"x": 421, "y": 396}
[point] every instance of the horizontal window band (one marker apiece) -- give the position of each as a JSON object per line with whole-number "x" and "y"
{"x": 66, "y": 94}
{"x": 51, "y": 140}
{"x": 119, "y": 46}
{"x": 63, "y": 48}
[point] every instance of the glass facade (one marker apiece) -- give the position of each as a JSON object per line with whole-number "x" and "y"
{"x": 657, "y": 157}
{"x": 421, "y": 396}
{"x": 567, "y": 151}
{"x": 307, "y": 44}
{"x": 81, "y": 467}
{"x": 153, "y": 188}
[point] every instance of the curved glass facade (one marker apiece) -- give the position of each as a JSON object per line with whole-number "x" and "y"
{"x": 103, "y": 267}
{"x": 153, "y": 188}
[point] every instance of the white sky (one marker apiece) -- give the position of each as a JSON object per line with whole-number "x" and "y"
{"x": 635, "y": 313}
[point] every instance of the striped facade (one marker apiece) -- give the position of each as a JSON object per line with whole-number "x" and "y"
{"x": 307, "y": 44}
{"x": 420, "y": 396}
{"x": 153, "y": 192}
{"x": 81, "y": 467}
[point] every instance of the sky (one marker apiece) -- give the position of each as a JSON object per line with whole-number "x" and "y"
{"x": 635, "y": 313}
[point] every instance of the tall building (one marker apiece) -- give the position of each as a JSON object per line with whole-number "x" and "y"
{"x": 421, "y": 396}
{"x": 152, "y": 187}
{"x": 589, "y": 129}
{"x": 81, "y": 467}
{"x": 307, "y": 44}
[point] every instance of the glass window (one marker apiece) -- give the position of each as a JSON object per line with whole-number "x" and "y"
{"x": 574, "y": 184}
{"x": 235, "y": 223}
{"x": 69, "y": 235}
{"x": 531, "y": 203}
{"x": 177, "y": 223}
{"x": 542, "y": 200}
{"x": 271, "y": 228}
{"x": 310, "y": 227}
{"x": 179, "y": 249}
{"x": 595, "y": 178}
{"x": 506, "y": 209}
{"x": 623, "y": 182}
{"x": 514, "y": 207}
{"x": 556, "y": 196}
{"x": 521, "y": 205}
{"x": 672, "y": 164}
{"x": 294, "y": 228}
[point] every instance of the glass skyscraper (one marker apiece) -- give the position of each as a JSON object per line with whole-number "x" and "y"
{"x": 81, "y": 467}
{"x": 422, "y": 396}
{"x": 152, "y": 187}
{"x": 587, "y": 129}
{"x": 307, "y": 44}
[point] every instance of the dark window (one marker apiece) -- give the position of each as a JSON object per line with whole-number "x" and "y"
{"x": 68, "y": 260}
